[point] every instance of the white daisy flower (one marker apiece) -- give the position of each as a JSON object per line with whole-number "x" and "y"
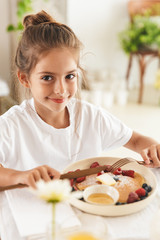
{"x": 55, "y": 191}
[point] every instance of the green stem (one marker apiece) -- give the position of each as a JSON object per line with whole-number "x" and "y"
{"x": 53, "y": 222}
{"x": 159, "y": 102}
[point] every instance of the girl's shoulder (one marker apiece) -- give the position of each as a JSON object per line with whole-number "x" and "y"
{"x": 88, "y": 110}
{"x": 84, "y": 105}
{"x": 14, "y": 113}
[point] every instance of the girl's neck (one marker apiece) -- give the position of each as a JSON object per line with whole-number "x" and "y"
{"x": 56, "y": 120}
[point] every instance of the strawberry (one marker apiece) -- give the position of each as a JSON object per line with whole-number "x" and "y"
{"x": 80, "y": 179}
{"x": 129, "y": 173}
{"x": 132, "y": 197}
{"x": 141, "y": 192}
{"x": 118, "y": 171}
{"x": 94, "y": 165}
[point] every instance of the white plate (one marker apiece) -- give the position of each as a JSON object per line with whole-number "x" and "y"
{"x": 115, "y": 210}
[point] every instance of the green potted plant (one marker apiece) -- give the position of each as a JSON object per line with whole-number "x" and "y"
{"x": 23, "y": 7}
{"x": 142, "y": 34}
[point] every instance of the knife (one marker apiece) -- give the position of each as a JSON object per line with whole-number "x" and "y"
{"x": 68, "y": 175}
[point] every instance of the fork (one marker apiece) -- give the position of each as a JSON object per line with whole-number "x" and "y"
{"x": 122, "y": 162}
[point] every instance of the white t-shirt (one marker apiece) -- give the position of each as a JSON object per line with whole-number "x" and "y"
{"x": 26, "y": 141}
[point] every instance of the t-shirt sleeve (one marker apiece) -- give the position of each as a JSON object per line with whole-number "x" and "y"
{"x": 114, "y": 133}
{"x": 5, "y": 142}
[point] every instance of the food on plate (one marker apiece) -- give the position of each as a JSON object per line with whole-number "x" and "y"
{"x": 125, "y": 185}
{"x": 132, "y": 197}
{"x": 131, "y": 185}
{"x": 101, "y": 194}
{"x": 106, "y": 178}
{"x": 89, "y": 181}
{"x": 101, "y": 198}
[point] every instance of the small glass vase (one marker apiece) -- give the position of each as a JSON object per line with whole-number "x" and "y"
{"x": 51, "y": 229}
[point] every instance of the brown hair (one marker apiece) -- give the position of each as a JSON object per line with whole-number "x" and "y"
{"x": 42, "y": 33}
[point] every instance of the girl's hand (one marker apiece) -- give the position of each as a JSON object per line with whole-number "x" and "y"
{"x": 30, "y": 177}
{"x": 151, "y": 156}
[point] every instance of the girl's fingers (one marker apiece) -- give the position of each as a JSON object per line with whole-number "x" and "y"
{"x": 53, "y": 173}
{"x": 44, "y": 174}
{"x": 31, "y": 181}
{"x": 47, "y": 173}
{"x": 151, "y": 156}
{"x": 154, "y": 155}
{"x": 145, "y": 156}
{"x": 36, "y": 175}
{"x": 158, "y": 151}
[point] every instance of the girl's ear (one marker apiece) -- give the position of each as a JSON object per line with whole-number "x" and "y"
{"x": 23, "y": 78}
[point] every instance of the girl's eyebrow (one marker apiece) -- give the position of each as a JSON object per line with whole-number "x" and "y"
{"x": 74, "y": 70}
{"x": 52, "y": 73}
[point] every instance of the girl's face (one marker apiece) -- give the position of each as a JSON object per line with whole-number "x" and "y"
{"x": 53, "y": 81}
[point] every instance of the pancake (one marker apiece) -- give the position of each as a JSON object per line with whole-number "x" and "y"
{"x": 89, "y": 181}
{"x": 125, "y": 185}
{"x": 139, "y": 178}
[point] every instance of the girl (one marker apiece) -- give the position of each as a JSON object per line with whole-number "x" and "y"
{"x": 53, "y": 127}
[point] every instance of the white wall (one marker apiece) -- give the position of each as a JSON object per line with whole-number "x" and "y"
{"x": 4, "y": 41}
{"x": 9, "y": 40}
{"x": 97, "y": 23}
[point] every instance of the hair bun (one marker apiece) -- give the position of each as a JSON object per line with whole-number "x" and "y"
{"x": 35, "y": 19}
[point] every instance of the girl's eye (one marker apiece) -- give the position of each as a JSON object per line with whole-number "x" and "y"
{"x": 47, "y": 78}
{"x": 70, "y": 76}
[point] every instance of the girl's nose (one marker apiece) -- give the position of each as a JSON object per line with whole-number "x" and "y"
{"x": 59, "y": 87}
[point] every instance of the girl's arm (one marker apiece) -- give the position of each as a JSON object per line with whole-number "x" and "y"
{"x": 30, "y": 177}
{"x": 147, "y": 147}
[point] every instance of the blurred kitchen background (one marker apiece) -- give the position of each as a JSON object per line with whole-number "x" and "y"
{"x": 98, "y": 24}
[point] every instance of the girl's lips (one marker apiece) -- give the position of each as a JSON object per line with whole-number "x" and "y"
{"x": 60, "y": 100}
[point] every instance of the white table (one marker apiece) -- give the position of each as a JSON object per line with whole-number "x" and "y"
{"x": 131, "y": 224}
{"x": 30, "y": 214}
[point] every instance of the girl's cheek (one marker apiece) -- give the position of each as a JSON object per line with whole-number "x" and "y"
{"x": 75, "y": 88}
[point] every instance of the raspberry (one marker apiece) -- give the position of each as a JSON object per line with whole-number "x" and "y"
{"x": 80, "y": 179}
{"x": 94, "y": 165}
{"x": 72, "y": 182}
{"x": 107, "y": 168}
{"x": 129, "y": 173}
{"x": 118, "y": 171}
{"x": 100, "y": 173}
{"x": 141, "y": 192}
{"x": 132, "y": 197}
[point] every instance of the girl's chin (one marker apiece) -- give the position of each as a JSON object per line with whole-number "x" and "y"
{"x": 58, "y": 107}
